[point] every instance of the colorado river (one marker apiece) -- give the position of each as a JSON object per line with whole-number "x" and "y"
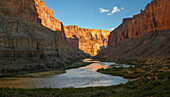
{"x": 77, "y": 78}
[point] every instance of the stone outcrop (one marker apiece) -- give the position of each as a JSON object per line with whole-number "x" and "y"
{"x": 90, "y": 40}
{"x": 47, "y": 19}
{"x": 154, "y": 17}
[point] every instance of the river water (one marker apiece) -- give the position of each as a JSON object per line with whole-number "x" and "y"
{"x": 78, "y": 78}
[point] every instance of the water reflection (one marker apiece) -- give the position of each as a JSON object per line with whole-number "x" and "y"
{"x": 80, "y": 77}
{"x": 95, "y": 66}
{"x": 90, "y": 60}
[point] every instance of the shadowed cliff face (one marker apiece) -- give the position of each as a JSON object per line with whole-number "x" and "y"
{"x": 154, "y": 17}
{"x": 73, "y": 41}
{"x": 91, "y": 41}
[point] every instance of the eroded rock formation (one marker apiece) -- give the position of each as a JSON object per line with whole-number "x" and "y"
{"x": 90, "y": 40}
{"x": 154, "y": 17}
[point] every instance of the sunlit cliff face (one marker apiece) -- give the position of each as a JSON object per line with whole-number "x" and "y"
{"x": 47, "y": 16}
{"x": 47, "y": 19}
{"x": 91, "y": 41}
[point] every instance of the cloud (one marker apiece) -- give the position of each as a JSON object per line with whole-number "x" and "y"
{"x": 111, "y": 29}
{"x": 115, "y": 9}
{"x": 103, "y": 10}
{"x": 108, "y": 14}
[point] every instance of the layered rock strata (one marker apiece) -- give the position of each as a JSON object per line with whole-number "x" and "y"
{"x": 90, "y": 40}
{"x": 154, "y": 17}
{"x": 15, "y": 47}
{"x": 19, "y": 34}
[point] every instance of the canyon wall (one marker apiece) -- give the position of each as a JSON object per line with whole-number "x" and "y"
{"x": 90, "y": 40}
{"x": 154, "y": 17}
{"x": 25, "y": 41}
{"x": 47, "y": 19}
{"x": 20, "y": 8}
{"x": 37, "y": 11}
{"x": 19, "y": 34}
{"x": 154, "y": 44}
{"x": 22, "y": 35}
{"x": 13, "y": 48}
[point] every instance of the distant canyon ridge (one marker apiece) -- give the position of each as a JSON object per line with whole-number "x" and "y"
{"x": 91, "y": 41}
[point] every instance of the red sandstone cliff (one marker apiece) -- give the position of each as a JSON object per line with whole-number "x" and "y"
{"x": 154, "y": 17}
{"x": 90, "y": 40}
{"x": 47, "y": 19}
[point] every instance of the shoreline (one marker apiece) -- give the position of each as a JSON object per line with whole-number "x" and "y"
{"x": 75, "y": 64}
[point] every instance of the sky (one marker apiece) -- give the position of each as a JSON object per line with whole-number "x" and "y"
{"x": 95, "y": 14}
